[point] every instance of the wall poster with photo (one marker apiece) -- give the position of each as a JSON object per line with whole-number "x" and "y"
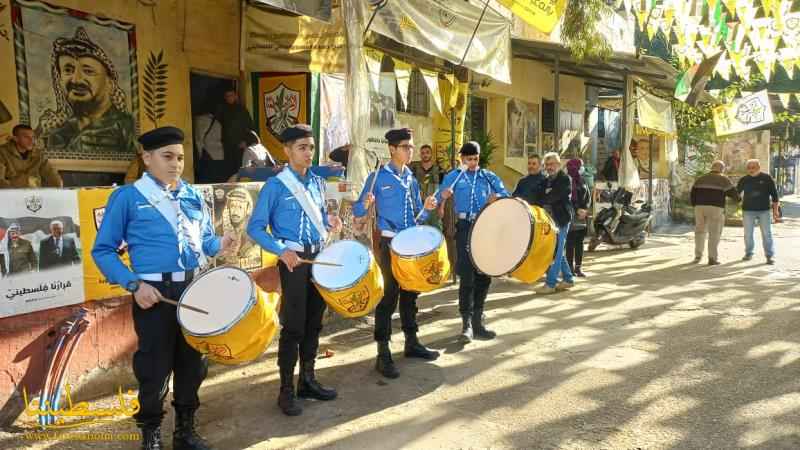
{"x": 40, "y": 250}
{"x": 382, "y": 114}
{"x": 522, "y": 133}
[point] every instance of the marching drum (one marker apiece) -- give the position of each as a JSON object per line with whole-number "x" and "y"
{"x": 354, "y": 288}
{"x": 419, "y": 258}
{"x": 510, "y": 237}
{"x": 241, "y": 319}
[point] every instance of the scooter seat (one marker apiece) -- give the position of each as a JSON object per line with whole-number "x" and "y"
{"x": 635, "y": 217}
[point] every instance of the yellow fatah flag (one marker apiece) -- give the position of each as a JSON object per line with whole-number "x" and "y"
{"x": 540, "y": 14}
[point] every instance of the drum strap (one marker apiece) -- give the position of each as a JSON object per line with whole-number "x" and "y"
{"x": 306, "y": 201}
{"x": 407, "y": 200}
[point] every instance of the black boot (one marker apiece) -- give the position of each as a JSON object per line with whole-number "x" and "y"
{"x": 286, "y": 400}
{"x": 414, "y": 349}
{"x": 309, "y": 387}
{"x": 384, "y": 364}
{"x": 185, "y": 436}
{"x": 151, "y": 438}
{"x": 466, "y": 328}
{"x": 477, "y": 327}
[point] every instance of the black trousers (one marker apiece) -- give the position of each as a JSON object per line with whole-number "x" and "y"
{"x": 474, "y": 285}
{"x": 301, "y": 313}
{"x": 575, "y": 248}
{"x": 163, "y": 351}
{"x": 391, "y": 294}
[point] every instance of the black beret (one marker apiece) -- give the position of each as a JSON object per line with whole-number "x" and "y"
{"x": 161, "y": 137}
{"x": 470, "y": 148}
{"x": 400, "y": 134}
{"x": 296, "y": 132}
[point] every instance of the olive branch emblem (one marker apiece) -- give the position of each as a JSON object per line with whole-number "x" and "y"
{"x": 155, "y": 87}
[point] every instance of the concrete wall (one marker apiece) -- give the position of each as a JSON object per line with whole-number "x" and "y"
{"x": 531, "y": 82}
{"x": 196, "y": 35}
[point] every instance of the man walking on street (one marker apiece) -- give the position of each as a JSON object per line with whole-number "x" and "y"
{"x": 708, "y": 198}
{"x": 557, "y": 190}
{"x": 759, "y": 204}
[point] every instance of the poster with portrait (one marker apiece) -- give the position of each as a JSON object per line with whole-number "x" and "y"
{"x": 232, "y": 207}
{"x": 382, "y": 114}
{"x": 522, "y": 133}
{"x": 77, "y": 78}
{"x": 736, "y": 150}
{"x": 40, "y": 250}
{"x": 334, "y": 121}
{"x": 548, "y": 142}
{"x": 92, "y": 206}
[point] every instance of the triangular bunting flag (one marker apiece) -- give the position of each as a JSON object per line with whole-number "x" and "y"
{"x": 373, "y": 59}
{"x": 432, "y": 81}
{"x": 785, "y": 99}
{"x": 402, "y": 72}
{"x": 796, "y": 97}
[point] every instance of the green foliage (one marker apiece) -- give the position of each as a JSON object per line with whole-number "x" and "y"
{"x": 579, "y": 30}
{"x": 488, "y": 146}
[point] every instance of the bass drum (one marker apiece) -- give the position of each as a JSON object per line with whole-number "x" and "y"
{"x": 510, "y": 237}
{"x": 354, "y": 288}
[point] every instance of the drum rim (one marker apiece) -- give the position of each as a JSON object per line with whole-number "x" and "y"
{"x": 527, "y": 247}
{"x": 226, "y": 328}
{"x": 358, "y": 280}
{"x": 418, "y": 255}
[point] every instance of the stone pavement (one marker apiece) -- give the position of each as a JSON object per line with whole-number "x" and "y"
{"x": 649, "y": 352}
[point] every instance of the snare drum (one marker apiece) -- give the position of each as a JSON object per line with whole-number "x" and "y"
{"x": 510, "y": 237}
{"x": 241, "y": 319}
{"x": 419, "y": 259}
{"x": 354, "y": 289}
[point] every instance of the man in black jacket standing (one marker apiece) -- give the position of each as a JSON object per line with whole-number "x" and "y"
{"x": 759, "y": 204}
{"x": 57, "y": 250}
{"x": 529, "y": 187}
{"x": 556, "y": 200}
{"x": 708, "y": 198}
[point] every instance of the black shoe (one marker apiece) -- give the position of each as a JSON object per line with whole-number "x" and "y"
{"x": 480, "y": 331}
{"x": 713, "y": 262}
{"x": 579, "y": 273}
{"x": 770, "y": 261}
{"x": 151, "y": 438}
{"x": 466, "y": 329}
{"x": 747, "y": 257}
{"x": 414, "y": 349}
{"x": 697, "y": 259}
{"x": 185, "y": 436}
{"x": 384, "y": 364}
{"x": 286, "y": 401}
{"x": 309, "y": 387}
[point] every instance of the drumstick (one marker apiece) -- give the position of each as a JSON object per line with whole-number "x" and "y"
{"x": 161, "y": 298}
{"x": 321, "y": 263}
{"x": 463, "y": 169}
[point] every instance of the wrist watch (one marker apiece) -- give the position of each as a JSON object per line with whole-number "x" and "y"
{"x": 133, "y": 286}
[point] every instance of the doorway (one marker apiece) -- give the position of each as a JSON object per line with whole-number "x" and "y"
{"x": 209, "y": 155}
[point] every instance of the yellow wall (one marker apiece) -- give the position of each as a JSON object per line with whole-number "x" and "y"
{"x": 531, "y": 82}
{"x": 195, "y": 35}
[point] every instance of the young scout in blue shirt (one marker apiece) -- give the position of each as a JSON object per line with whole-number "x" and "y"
{"x": 169, "y": 235}
{"x": 397, "y": 200}
{"x": 292, "y": 204}
{"x": 474, "y": 189}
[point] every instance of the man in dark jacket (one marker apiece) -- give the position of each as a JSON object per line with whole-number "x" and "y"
{"x": 529, "y": 187}
{"x": 236, "y": 126}
{"x": 57, "y": 250}
{"x": 556, "y": 200}
{"x": 759, "y": 204}
{"x": 708, "y": 198}
{"x": 611, "y": 168}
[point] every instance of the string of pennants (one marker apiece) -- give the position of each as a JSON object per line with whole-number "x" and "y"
{"x": 751, "y": 33}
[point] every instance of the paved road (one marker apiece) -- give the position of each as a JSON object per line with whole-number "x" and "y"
{"x": 650, "y": 352}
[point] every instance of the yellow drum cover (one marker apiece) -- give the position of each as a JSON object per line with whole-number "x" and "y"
{"x": 510, "y": 237}
{"x": 419, "y": 259}
{"x": 242, "y": 319}
{"x": 354, "y": 288}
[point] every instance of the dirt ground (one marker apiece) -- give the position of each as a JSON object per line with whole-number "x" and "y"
{"x": 649, "y": 352}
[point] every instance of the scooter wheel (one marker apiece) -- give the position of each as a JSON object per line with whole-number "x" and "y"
{"x": 636, "y": 243}
{"x": 593, "y": 244}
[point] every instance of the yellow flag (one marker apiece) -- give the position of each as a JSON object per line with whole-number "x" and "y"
{"x": 767, "y": 6}
{"x": 785, "y": 99}
{"x": 541, "y": 14}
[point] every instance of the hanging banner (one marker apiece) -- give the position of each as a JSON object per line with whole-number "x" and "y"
{"x": 232, "y": 205}
{"x": 92, "y": 204}
{"x": 318, "y": 9}
{"x": 282, "y": 103}
{"x": 373, "y": 58}
{"x": 442, "y": 123}
{"x": 444, "y": 28}
{"x": 432, "y": 82}
{"x": 655, "y": 113}
{"x": 742, "y": 114}
{"x": 382, "y": 115}
{"x": 540, "y": 14}
{"x": 334, "y": 122}
{"x": 402, "y": 72}
{"x": 279, "y": 43}
{"x": 40, "y": 250}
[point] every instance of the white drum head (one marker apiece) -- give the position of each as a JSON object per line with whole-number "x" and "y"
{"x": 353, "y": 255}
{"x": 500, "y": 237}
{"x": 417, "y": 241}
{"x": 225, "y": 292}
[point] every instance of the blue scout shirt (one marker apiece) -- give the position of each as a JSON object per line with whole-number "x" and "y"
{"x": 397, "y": 199}
{"x": 472, "y": 190}
{"x": 152, "y": 243}
{"x": 278, "y": 209}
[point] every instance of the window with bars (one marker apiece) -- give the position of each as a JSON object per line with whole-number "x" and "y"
{"x": 418, "y": 103}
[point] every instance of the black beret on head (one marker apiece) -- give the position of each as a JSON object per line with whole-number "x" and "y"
{"x": 161, "y": 137}
{"x": 296, "y": 132}
{"x": 470, "y": 148}
{"x": 396, "y": 136}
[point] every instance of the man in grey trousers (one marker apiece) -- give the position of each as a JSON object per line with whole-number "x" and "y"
{"x": 708, "y": 198}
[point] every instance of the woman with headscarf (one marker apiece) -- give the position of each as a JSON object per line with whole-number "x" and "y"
{"x": 578, "y": 227}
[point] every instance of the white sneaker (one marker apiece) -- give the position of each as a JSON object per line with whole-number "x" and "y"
{"x": 565, "y": 285}
{"x": 544, "y": 290}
